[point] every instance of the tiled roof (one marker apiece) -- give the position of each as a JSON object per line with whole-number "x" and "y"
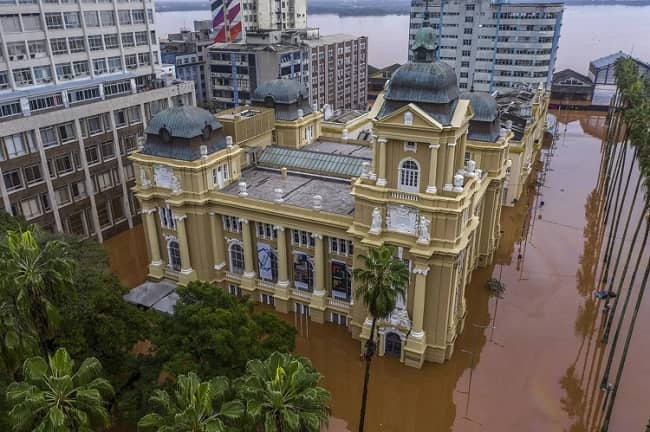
{"x": 335, "y": 165}
{"x": 183, "y": 121}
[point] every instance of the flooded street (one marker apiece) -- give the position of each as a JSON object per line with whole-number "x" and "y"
{"x": 530, "y": 361}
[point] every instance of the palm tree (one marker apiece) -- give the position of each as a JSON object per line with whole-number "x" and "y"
{"x": 282, "y": 394}
{"x": 195, "y": 406}
{"x": 17, "y": 342}
{"x": 34, "y": 275}
{"x": 380, "y": 281}
{"x": 54, "y": 397}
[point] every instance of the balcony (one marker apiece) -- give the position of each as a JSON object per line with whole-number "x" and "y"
{"x": 301, "y": 294}
{"x": 339, "y": 304}
{"x": 404, "y": 196}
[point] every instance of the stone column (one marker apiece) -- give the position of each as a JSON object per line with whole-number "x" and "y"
{"x": 381, "y": 164}
{"x": 416, "y": 344}
{"x": 318, "y": 299}
{"x": 449, "y": 168}
{"x": 218, "y": 249}
{"x": 187, "y": 272}
{"x": 433, "y": 164}
{"x": 248, "y": 279}
{"x": 149, "y": 221}
{"x": 282, "y": 287}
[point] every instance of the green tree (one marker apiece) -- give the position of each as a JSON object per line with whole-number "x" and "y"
{"x": 17, "y": 340}
{"x": 214, "y": 333}
{"x": 33, "y": 276}
{"x": 379, "y": 282}
{"x": 54, "y": 397}
{"x": 194, "y": 406}
{"x": 282, "y": 394}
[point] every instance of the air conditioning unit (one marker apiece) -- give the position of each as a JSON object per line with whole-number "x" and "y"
{"x": 132, "y": 67}
{"x": 12, "y": 58}
{"x": 67, "y": 76}
{"x": 20, "y": 57}
{"x": 32, "y": 55}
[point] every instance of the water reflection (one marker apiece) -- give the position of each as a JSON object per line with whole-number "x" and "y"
{"x": 531, "y": 361}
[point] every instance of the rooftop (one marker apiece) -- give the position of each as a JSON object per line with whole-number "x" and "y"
{"x": 299, "y": 190}
{"x": 335, "y": 165}
{"x": 329, "y": 39}
{"x": 330, "y": 147}
{"x": 610, "y": 59}
{"x": 344, "y": 115}
{"x": 253, "y": 47}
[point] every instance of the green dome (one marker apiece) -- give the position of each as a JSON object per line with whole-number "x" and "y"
{"x": 182, "y": 121}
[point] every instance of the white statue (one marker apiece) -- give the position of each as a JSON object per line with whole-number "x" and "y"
{"x": 423, "y": 230}
{"x": 279, "y": 195}
{"x": 144, "y": 181}
{"x": 375, "y": 227}
{"x": 365, "y": 169}
{"x": 471, "y": 166}
{"x": 458, "y": 183}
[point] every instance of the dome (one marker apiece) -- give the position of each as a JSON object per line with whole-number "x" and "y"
{"x": 433, "y": 83}
{"x": 182, "y": 121}
{"x": 281, "y": 91}
{"x": 483, "y": 104}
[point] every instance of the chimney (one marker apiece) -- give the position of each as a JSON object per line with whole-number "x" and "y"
{"x": 283, "y": 171}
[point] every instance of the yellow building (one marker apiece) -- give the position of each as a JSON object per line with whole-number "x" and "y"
{"x": 287, "y": 225}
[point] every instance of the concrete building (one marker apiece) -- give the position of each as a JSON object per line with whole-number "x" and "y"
{"x": 77, "y": 85}
{"x": 493, "y": 44}
{"x": 377, "y": 80}
{"x": 569, "y": 85}
{"x": 602, "y": 70}
{"x": 332, "y": 67}
{"x": 188, "y": 51}
{"x": 288, "y": 226}
{"x": 233, "y": 19}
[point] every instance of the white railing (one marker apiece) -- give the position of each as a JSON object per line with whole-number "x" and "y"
{"x": 265, "y": 284}
{"x": 302, "y": 294}
{"x": 405, "y": 196}
{"x": 233, "y": 276}
{"x": 342, "y": 304}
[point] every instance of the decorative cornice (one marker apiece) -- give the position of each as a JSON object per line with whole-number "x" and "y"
{"x": 421, "y": 270}
{"x": 451, "y": 144}
{"x": 149, "y": 211}
{"x": 243, "y": 220}
{"x": 434, "y": 146}
{"x": 278, "y": 228}
{"x": 317, "y": 236}
{"x": 180, "y": 218}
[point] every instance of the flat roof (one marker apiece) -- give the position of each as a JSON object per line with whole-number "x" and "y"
{"x": 329, "y": 164}
{"x": 330, "y": 39}
{"x": 299, "y": 189}
{"x": 330, "y": 147}
{"x": 254, "y": 47}
{"x": 344, "y": 116}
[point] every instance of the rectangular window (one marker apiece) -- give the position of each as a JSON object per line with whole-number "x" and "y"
{"x": 128, "y": 40}
{"x": 111, "y": 41}
{"x": 78, "y": 190}
{"x": 131, "y": 61}
{"x": 134, "y": 115}
{"x": 48, "y": 136}
{"x": 114, "y": 64}
{"x": 141, "y": 38}
{"x": 62, "y": 195}
{"x": 64, "y": 71}
{"x": 10, "y": 23}
{"x": 341, "y": 281}
{"x": 108, "y": 151}
{"x": 232, "y": 223}
{"x": 81, "y": 68}
{"x": 99, "y": 66}
{"x": 266, "y": 231}
{"x": 77, "y": 44}
{"x": 37, "y": 48}
{"x": 92, "y": 155}
{"x": 32, "y": 22}
{"x": 53, "y": 21}
{"x": 45, "y": 102}
{"x": 15, "y": 146}
{"x": 63, "y": 164}
{"x": 12, "y": 180}
{"x": 23, "y": 77}
{"x": 303, "y": 238}
{"x": 167, "y": 218}
{"x": 130, "y": 143}
{"x": 94, "y": 125}
{"x": 91, "y": 18}
{"x": 10, "y": 109}
{"x": 104, "y": 180}
{"x": 95, "y": 43}
{"x": 30, "y": 208}
{"x": 129, "y": 173}
{"x": 144, "y": 58}
{"x": 59, "y": 46}
{"x": 138, "y": 16}
{"x": 103, "y": 215}
{"x": 66, "y": 132}
{"x": 108, "y": 18}
{"x": 33, "y": 174}
{"x": 117, "y": 209}
{"x": 125, "y": 17}
{"x": 341, "y": 246}
{"x": 120, "y": 118}
{"x": 16, "y": 50}
{"x": 72, "y": 20}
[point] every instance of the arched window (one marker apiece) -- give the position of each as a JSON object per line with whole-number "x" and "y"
{"x": 408, "y": 118}
{"x": 174, "y": 251}
{"x": 409, "y": 173}
{"x": 236, "y": 252}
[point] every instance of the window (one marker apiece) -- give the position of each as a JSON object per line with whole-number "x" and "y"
{"x": 167, "y": 218}
{"x": 92, "y": 155}
{"x": 125, "y": 17}
{"x": 66, "y": 132}
{"x": 77, "y": 44}
{"x": 53, "y": 21}
{"x": 236, "y": 252}
{"x": 131, "y": 61}
{"x": 78, "y": 190}
{"x": 76, "y": 223}
{"x": 15, "y": 146}
{"x": 467, "y": 42}
{"x": 134, "y": 115}
{"x": 48, "y": 136}
{"x": 95, "y": 43}
{"x": 111, "y": 41}
{"x": 81, "y": 68}
{"x": 129, "y": 172}
{"x": 107, "y": 149}
{"x": 144, "y": 58}
{"x": 410, "y": 146}
{"x": 72, "y": 20}
{"x": 470, "y": 6}
{"x": 104, "y": 180}
{"x": 33, "y": 174}
{"x": 23, "y": 77}
{"x": 469, "y": 19}
{"x": 303, "y": 238}
{"x": 30, "y": 208}
{"x": 9, "y": 109}
{"x": 130, "y": 143}
{"x": 103, "y": 215}
{"x": 220, "y": 175}
{"x": 62, "y": 195}
{"x": 114, "y": 64}
{"x": 265, "y": 231}
{"x": 12, "y": 180}
{"x": 10, "y": 23}
{"x": 464, "y": 64}
{"x": 99, "y": 66}
{"x": 117, "y": 88}
{"x": 45, "y": 202}
{"x": 117, "y": 208}
{"x": 63, "y": 164}
{"x": 467, "y": 31}
{"x": 267, "y": 262}
{"x": 45, "y": 102}
{"x": 64, "y": 71}
{"x": 107, "y": 17}
{"x": 94, "y": 125}
{"x": 59, "y": 46}
{"x": 341, "y": 246}
{"x": 138, "y": 16}
{"x": 341, "y": 281}
{"x": 32, "y": 22}
{"x": 120, "y": 118}
{"x": 141, "y": 38}
{"x": 408, "y": 118}
{"x": 232, "y": 223}
{"x": 16, "y": 49}
{"x": 37, "y": 47}
{"x": 408, "y": 175}
{"x": 303, "y": 272}
{"x": 127, "y": 40}
{"x": 91, "y": 18}
{"x": 466, "y": 53}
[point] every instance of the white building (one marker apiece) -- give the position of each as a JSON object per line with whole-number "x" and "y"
{"x": 274, "y": 14}
{"x": 77, "y": 85}
{"x": 494, "y": 44}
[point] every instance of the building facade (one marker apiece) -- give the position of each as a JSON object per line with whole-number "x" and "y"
{"x": 333, "y": 68}
{"x": 77, "y": 84}
{"x": 289, "y": 226}
{"x": 493, "y": 44}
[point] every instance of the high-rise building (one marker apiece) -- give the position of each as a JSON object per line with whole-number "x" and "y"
{"x": 188, "y": 51}
{"x": 78, "y": 83}
{"x": 333, "y": 67}
{"x": 493, "y": 44}
{"x": 232, "y": 19}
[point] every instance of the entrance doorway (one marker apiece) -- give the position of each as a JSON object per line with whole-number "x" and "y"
{"x": 393, "y": 345}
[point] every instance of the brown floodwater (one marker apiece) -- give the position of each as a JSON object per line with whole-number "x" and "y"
{"x": 530, "y": 361}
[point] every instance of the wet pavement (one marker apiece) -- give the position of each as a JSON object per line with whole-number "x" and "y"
{"x": 530, "y": 361}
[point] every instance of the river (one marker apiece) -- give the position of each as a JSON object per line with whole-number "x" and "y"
{"x": 531, "y": 361}
{"x": 588, "y": 32}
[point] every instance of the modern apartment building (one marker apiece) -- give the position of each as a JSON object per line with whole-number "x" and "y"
{"x": 494, "y": 44}
{"x": 232, "y": 19}
{"x": 188, "y": 51}
{"x": 333, "y": 68}
{"x": 77, "y": 85}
